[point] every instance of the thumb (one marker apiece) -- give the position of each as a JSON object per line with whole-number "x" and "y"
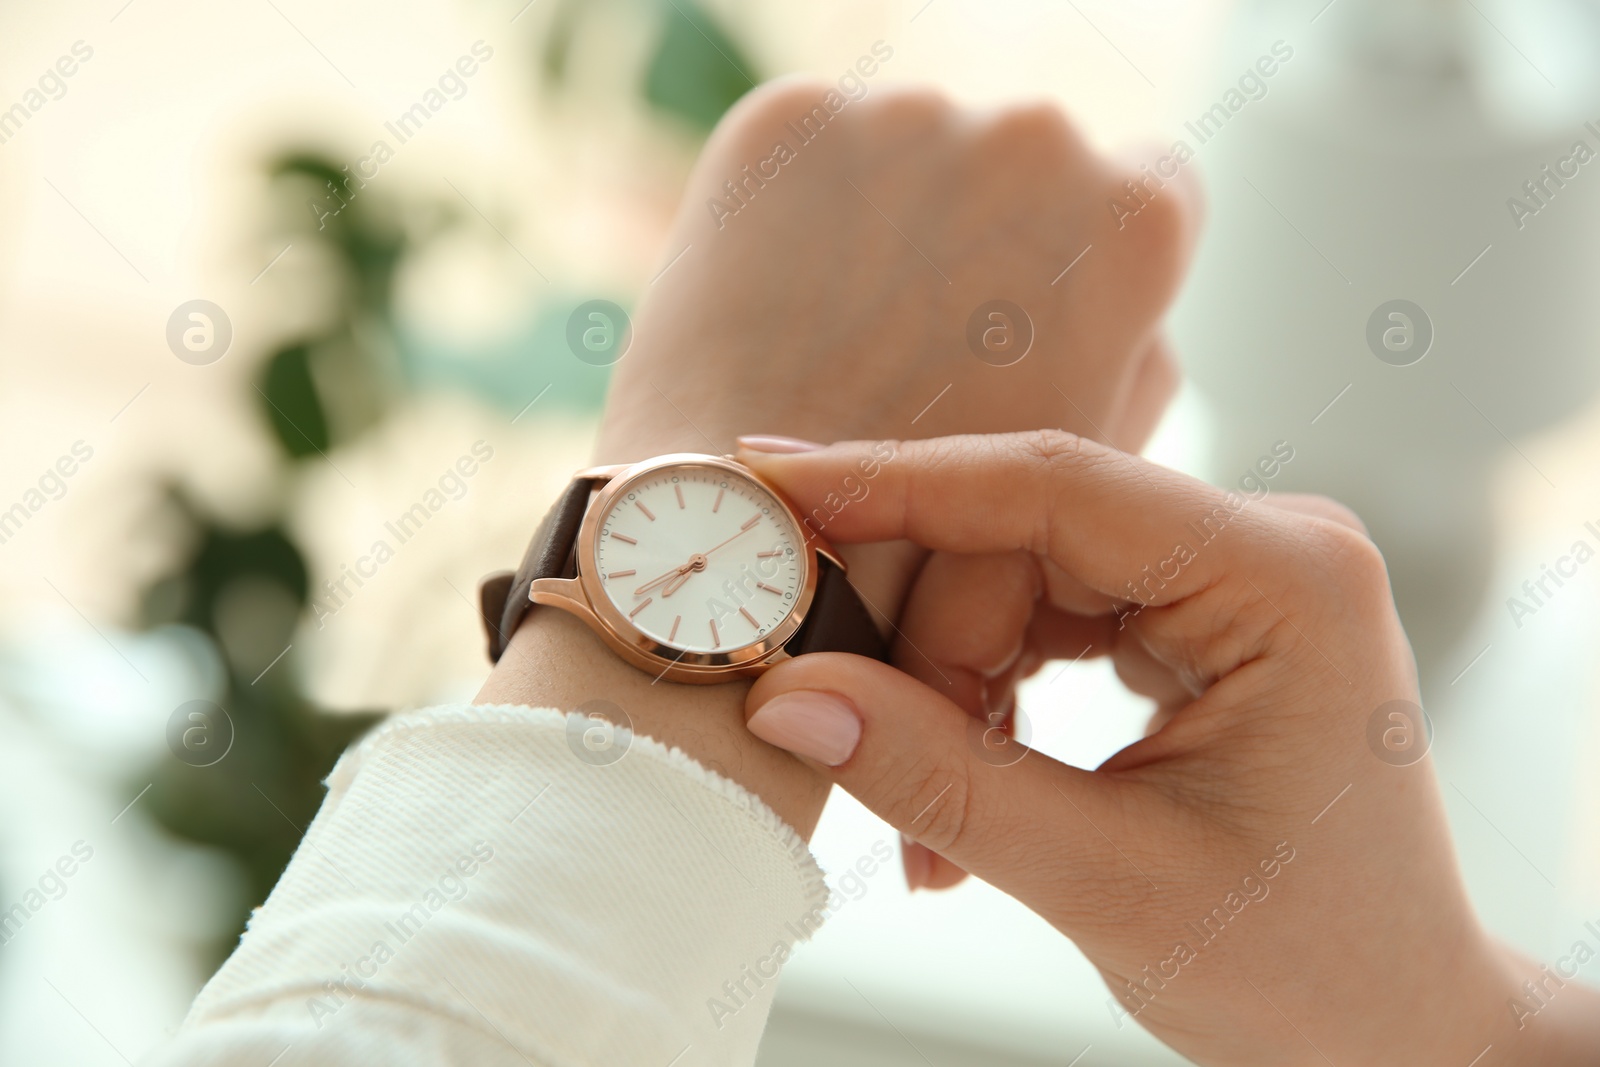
{"x": 1014, "y": 817}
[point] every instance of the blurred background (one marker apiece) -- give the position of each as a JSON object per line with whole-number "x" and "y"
{"x": 227, "y": 366}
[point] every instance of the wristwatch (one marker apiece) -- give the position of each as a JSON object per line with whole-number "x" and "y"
{"x": 690, "y": 567}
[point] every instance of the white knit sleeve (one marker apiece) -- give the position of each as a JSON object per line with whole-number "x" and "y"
{"x": 489, "y": 886}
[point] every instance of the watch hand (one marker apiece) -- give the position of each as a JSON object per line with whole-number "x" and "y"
{"x": 673, "y": 573}
{"x": 741, "y": 533}
{"x": 697, "y": 562}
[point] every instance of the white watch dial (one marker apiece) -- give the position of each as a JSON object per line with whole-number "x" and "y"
{"x": 700, "y": 558}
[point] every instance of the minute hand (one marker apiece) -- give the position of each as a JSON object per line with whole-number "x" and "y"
{"x": 743, "y": 530}
{"x": 697, "y": 562}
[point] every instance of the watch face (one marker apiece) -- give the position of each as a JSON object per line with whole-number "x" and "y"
{"x": 699, "y": 558}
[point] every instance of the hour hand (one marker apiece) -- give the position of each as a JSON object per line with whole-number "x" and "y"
{"x": 673, "y": 573}
{"x": 697, "y": 562}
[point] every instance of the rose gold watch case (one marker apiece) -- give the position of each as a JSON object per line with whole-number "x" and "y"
{"x": 584, "y": 597}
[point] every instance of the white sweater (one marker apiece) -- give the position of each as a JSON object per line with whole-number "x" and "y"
{"x": 491, "y": 885}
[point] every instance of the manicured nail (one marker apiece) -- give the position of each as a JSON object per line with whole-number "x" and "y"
{"x": 782, "y": 445}
{"x": 818, "y": 726}
{"x": 918, "y": 862}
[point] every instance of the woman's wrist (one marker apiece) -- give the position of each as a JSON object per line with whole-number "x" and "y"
{"x": 555, "y": 661}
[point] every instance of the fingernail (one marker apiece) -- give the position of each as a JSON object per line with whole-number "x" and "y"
{"x": 781, "y": 445}
{"x": 918, "y": 862}
{"x": 818, "y": 726}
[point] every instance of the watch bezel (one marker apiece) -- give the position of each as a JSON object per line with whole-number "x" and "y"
{"x": 647, "y": 652}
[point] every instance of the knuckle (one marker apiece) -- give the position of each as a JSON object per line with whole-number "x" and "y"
{"x": 1051, "y": 449}
{"x": 1319, "y": 507}
{"x": 1037, "y": 124}
{"x": 1348, "y": 559}
{"x": 936, "y": 454}
{"x": 934, "y": 805}
{"x": 1050, "y": 456}
{"x": 1029, "y": 148}
{"x": 1156, "y": 223}
{"x": 910, "y": 106}
{"x": 1162, "y": 224}
{"x": 760, "y": 114}
{"x": 1341, "y": 514}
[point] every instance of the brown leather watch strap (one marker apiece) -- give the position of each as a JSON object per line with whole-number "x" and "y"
{"x": 503, "y": 596}
{"x": 837, "y": 620}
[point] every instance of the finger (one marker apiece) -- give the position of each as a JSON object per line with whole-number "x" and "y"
{"x": 1177, "y": 198}
{"x": 1054, "y": 634}
{"x": 1070, "y": 594}
{"x": 916, "y": 860}
{"x": 907, "y": 754}
{"x": 1107, "y": 518}
{"x": 1154, "y": 222}
{"x": 1207, "y": 570}
{"x": 969, "y": 631}
{"x": 964, "y": 629}
{"x": 1149, "y": 676}
{"x": 965, "y": 623}
{"x": 1317, "y": 507}
{"x": 1163, "y": 714}
{"x": 926, "y": 869}
{"x": 973, "y": 629}
{"x": 1155, "y": 382}
{"x": 1051, "y": 635}
{"x": 943, "y": 873}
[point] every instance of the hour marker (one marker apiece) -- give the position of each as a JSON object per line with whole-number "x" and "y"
{"x": 641, "y": 607}
{"x": 753, "y": 520}
{"x": 647, "y": 512}
{"x": 718, "y": 504}
{"x": 679, "y": 490}
{"x": 769, "y": 555}
{"x": 620, "y": 574}
{"x": 768, "y": 588}
{"x": 716, "y": 642}
{"x": 623, "y": 537}
{"x": 676, "y": 619}
{"x": 750, "y": 617}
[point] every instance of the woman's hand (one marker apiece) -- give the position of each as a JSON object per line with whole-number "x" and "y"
{"x": 1262, "y": 879}
{"x": 833, "y": 299}
{"x": 811, "y": 313}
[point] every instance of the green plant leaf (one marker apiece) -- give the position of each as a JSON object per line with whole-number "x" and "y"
{"x": 289, "y": 397}
{"x": 697, "y": 71}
